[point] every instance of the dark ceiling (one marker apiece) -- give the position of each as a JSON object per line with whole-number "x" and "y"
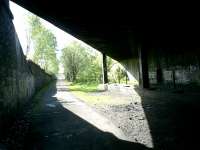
{"x": 118, "y": 28}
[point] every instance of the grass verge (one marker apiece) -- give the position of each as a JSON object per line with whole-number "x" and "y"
{"x": 90, "y": 94}
{"x": 84, "y": 87}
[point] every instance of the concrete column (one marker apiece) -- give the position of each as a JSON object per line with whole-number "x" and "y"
{"x": 174, "y": 77}
{"x": 104, "y": 68}
{"x": 159, "y": 73}
{"x": 143, "y": 68}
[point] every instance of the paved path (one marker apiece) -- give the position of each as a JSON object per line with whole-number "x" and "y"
{"x": 63, "y": 122}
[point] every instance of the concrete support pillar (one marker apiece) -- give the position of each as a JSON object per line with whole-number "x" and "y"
{"x": 159, "y": 73}
{"x": 174, "y": 77}
{"x": 104, "y": 68}
{"x": 143, "y": 68}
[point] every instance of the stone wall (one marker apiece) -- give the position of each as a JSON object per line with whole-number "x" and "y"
{"x": 19, "y": 78}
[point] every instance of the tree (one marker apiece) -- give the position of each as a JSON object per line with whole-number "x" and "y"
{"x": 92, "y": 72}
{"x": 120, "y": 74}
{"x": 81, "y": 64}
{"x": 44, "y": 43}
{"x": 74, "y": 58}
{"x": 110, "y": 63}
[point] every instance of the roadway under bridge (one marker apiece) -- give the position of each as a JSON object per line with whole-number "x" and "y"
{"x": 158, "y": 46}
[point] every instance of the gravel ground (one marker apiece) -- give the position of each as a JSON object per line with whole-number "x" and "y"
{"x": 130, "y": 119}
{"x": 157, "y": 119}
{"x": 154, "y": 119}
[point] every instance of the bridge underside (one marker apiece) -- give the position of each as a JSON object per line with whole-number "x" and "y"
{"x": 161, "y": 52}
{"x": 166, "y": 40}
{"x": 156, "y": 46}
{"x": 116, "y": 29}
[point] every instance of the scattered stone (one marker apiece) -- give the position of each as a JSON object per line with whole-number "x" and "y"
{"x": 142, "y": 118}
{"x": 130, "y": 118}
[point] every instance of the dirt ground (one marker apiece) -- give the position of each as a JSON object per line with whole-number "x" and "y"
{"x": 146, "y": 119}
{"x": 161, "y": 120}
{"x": 60, "y": 121}
{"x": 125, "y": 109}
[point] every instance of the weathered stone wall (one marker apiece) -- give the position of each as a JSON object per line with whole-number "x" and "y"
{"x": 40, "y": 76}
{"x": 19, "y": 78}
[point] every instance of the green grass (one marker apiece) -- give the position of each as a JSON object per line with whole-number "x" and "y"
{"x": 87, "y": 87}
{"x": 90, "y": 94}
{"x": 85, "y": 92}
{"x": 91, "y": 99}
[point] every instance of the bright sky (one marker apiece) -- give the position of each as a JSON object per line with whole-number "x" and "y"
{"x": 21, "y": 26}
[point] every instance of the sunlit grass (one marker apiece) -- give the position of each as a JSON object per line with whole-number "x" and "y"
{"x": 86, "y": 92}
{"x": 84, "y": 87}
{"x": 90, "y": 94}
{"x": 92, "y": 99}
